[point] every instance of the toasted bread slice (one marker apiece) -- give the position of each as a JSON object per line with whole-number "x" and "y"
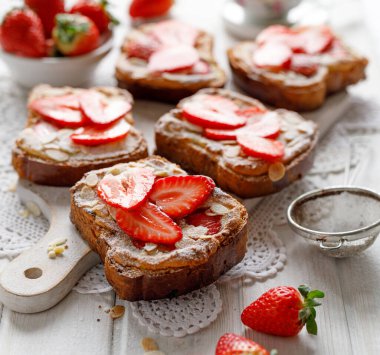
{"x": 224, "y": 161}
{"x": 145, "y": 272}
{"x": 337, "y": 68}
{"x": 53, "y": 159}
{"x": 132, "y": 72}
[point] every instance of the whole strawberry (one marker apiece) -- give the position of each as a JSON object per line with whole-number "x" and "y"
{"x": 283, "y": 311}
{"x": 75, "y": 34}
{"x": 22, "y": 33}
{"x": 46, "y": 11}
{"x": 232, "y": 344}
{"x": 149, "y": 8}
{"x": 97, "y": 11}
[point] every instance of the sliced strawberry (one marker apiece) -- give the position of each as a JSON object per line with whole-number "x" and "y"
{"x": 101, "y": 112}
{"x": 173, "y": 59}
{"x": 200, "y": 67}
{"x": 149, "y": 224}
{"x": 61, "y": 110}
{"x": 218, "y": 103}
{"x": 200, "y": 218}
{"x": 178, "y": 196}
{"x": 276, "y": 33}
{"x": 258, "y": 147}
{"x": 143, "y": 46}
{"x": 127, "y": 190}
{"x": 267, "y": 127}
{"x": 95, "y": 135}
{"x": 220, "y": 134}
{"x": 210, "y": 115}
{"x": 315, "y": 40}
{"x": 273, "y": 56}
{"x": 304, "y": 64}
{"x": 173, "y": 33}
{"x": 250, "y": 111}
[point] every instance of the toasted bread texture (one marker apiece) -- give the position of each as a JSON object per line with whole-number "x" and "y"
{"x": 146, "y": 272}
{"x": 224, "y": 161}
{"x": 132, "y": 73}
{"x": 54, "y": 159}
{"x": 291, "y": 90}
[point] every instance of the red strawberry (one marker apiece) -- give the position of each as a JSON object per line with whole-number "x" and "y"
{"x": 173, "y": 33}
{"x": 283, "y": 311}
{"x": 213, "y": 112}
{"x": 100, "y": 112}
{"x": 220, "y": 134}
{"x": 273, "y": 56}
{"x": 92, "y": 136}
{"x": 178, "y": 196}
{"x": 75, "y": 34}
{"x": 173, "y": 59}
{"x": 128, "y": 190}
{"x": 233, "y": 344}
{"x": 60, "y": 110}
{"x": 276, "y": 33}
{"x": 46, "y": 11}
{"x": 314, "y": 39}
{"x": 149, "y": 224}
{"x": 251, "y": 111}
{"x": 200, "y": 218}
{"x": 201, "y": 68}
{"x": 22, "y": 34}
{"x": 149, "y": 8}
{"x": 142, "y": 47}
{"x": 96, "y": 11}
{"x": 267, "y": 149}
{"x": 304, "y": 64}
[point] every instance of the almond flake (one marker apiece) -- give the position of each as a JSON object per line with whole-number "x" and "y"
{"x": 52, "y": 254}
{"x": 91, "y": 180}
{"x": 117, "y": 311}
{"x": 306, "y": 127}
{"x": 161, "y": 173}
{"x": 276, "y": 171}
{"x": 57, "y": 155}
{"x": 33, "y": 208}
{"x": 48, "y": 137}
{"x": 232, "y": 152}
{"x": 219, "y": 209}
{"x": 86, "y": 193}
{"x": 149, "y": 247}
{"x": 149, "y": 344}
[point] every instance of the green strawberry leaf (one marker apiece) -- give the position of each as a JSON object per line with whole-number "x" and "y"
{"x": 316, "y": 294}
{"x": 311, "y": 326}
{"x": 304, "y": 290}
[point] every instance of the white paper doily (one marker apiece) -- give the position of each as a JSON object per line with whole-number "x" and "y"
{"x": 182, "y": 315}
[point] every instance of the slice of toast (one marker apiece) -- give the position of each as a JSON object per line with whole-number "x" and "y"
{"x": 51, "y": 158}
{"x": 132, "y": 72}
{"x": 139, "y": 271}
{"x": 224, "y": 161}
{"x": 337, "y": 67}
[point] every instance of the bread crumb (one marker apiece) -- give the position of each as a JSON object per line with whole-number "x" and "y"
{"x": 33, "y": 208}
{"x": 149, "y": 344}
{"x": 276, "y": 171}
{"x": 24, "y": 213}
{"x": 117, "y": 311}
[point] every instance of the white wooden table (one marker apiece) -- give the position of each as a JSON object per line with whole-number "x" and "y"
{"x": 350, "y": 316}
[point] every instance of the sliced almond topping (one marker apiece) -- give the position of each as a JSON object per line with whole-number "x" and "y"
{"x": 48, "y": 137}
{"x": 149, "y": 344}
{"x": 100, "y": 210}
{"x": 161, "y": 173}
{"x": 33, "y": 208}
{"x": 306, "y": 127}
{"x": 290, "y": 135}
{"x": 91, "y": 180}
{"x": 53, "y": 146}
{"x": 117, "y": 311}
{"x": 57, "y": 155}
{"x": 86, "y": 193}
{"x": 219, "y": 209}
{"x": 276, "y": 171}
{"x": 149, "y": 247}
{"x": 232, "y": 152}
{"x": 52, "y": 254}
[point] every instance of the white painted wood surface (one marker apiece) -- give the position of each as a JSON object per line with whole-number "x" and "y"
{"x": 349, "y": 318}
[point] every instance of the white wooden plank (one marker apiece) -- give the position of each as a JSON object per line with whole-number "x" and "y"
{"x": 77, "y": 325}
{"x": 3, "y": 262}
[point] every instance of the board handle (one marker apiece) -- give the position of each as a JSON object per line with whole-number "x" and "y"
{"x": 33, "y": 282}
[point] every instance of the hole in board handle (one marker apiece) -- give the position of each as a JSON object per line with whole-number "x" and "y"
{"x": 33, "y": 273}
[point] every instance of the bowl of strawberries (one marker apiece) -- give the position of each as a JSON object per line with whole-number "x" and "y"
{"x": 43, "y": 42}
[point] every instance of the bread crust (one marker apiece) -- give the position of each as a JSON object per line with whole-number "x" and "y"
{"x": 289, "y": 92}
{"x": 40, "y": 170}
{"x": 141, "y": 280}
{"x": 196, "y": 158}
{"x": 174, "y": 87}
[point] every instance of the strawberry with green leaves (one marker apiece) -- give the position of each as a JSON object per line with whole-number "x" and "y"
{"x": 283, "y": 311}
{"x": 75, "y": 34}
{"x": 149, "y": 8}
{"x": 46, "y": 11}
{"x": 22, "y": 33}
{"x": 97, "y": 11}
{"x": 233, "y": 344}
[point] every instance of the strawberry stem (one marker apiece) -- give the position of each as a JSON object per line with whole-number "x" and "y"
{"x": 307, "y": 314}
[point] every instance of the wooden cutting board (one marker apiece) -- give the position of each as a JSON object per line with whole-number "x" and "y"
{"x": 33, "y": 282}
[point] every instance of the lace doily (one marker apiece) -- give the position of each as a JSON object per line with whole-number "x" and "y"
{"x": 182, "y": 315}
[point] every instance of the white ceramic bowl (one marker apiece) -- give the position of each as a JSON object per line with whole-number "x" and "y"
{"x": 72, "y": 71}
